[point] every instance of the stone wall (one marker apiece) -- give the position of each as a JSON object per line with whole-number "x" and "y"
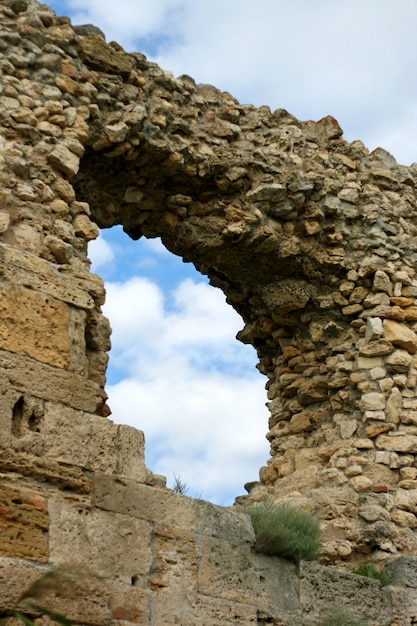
{"x": 313, "y": 241}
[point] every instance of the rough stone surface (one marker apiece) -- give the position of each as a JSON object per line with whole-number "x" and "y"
{"x": 313, "y": 241}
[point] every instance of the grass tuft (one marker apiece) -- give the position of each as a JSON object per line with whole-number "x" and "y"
{"x": 341, "y": 617}
{"x": 370, "y": 571}
{"x": 285, "y": 531}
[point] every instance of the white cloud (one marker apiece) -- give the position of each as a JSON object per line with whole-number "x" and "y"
{"x": 128, "y": 20}
{"x": 186, "y": 384}
{"x": 100, "y": 253}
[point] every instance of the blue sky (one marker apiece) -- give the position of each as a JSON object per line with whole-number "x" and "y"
{"x": 176, "y": 372}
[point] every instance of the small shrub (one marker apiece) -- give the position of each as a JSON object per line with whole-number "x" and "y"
{"x": 369, "y": 570}
{"x": 179, "y": 486}
{"x": 341, "y": 617}
{"x": 285, "y": 531}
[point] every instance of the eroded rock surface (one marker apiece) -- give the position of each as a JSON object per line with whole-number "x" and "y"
{"x": 312, "y": 239}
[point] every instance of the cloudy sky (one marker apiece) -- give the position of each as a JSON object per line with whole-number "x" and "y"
{"x": 176, "y": 370}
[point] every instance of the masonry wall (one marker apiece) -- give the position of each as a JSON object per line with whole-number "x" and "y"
{"x": 313, "y": 241}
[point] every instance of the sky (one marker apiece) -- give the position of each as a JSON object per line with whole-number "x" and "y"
{"x": 176, "y": 370}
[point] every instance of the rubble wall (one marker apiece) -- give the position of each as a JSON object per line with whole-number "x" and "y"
{"x": 313, "y": 241}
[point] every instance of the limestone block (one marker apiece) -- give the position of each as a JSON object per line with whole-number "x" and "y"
{"x": 42, "y": 381}
{"x": 406, "y": 500}
{"x": 27, "y": 237}
{"x": 402, "y": 443}
{"x": 373, "y": 513}
{"x": 393, "y": 406}
{"x": 173, "y": 607}
{"x": 34, "y": 325}
{"x": 398, "y": 362}
{"x": 163, "y": 506}
{"x": 286, "y": 295}
{"x": 372, "y": 402}
{"x": 64, "y": 160}
{"x": 84, "y": 227}
{"x": 379, "y": 347}
{"x": 348, "y": 428}
{"x": 44, "y": 470}
{"x": 404, "y": 518}
{"x": 77, "y": 438}
{"x": 368, "y": 363}
{"x": 382, "y": 282}
{"x": 84, "y": 537}
{"x": 404, "y": 604}
{"x": 227, "y": 572}
{"x": 410, "y": 313}
{"x": 403, "y": 571}
{"x": 80, "y": 596}
{"x": 331, "y": 476}
{"x": 102, "y": 57}
{"x": 400, "y": 335}
{"x": 374, "y": 329}
{"x": 361, "y": 483}
{"x": 22, "y": 268}
{"x": 312, "y": 391}
{"x": 336, "y": 588}
{"x": 23, "y": 524}
{"x": 130, "y": 451}
{"x": 16, "y": 574}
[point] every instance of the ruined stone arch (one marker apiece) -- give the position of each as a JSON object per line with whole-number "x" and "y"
{"x": 311, "y": 238}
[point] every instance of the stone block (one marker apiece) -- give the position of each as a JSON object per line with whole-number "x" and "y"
{"x": 163, "y": 506}
{"x": 323, "y": 588}
{"x": 400, "y": 336}
{"x": 44, "y": 470}
{"x": 16, "y": 575}
{"x": 23, "y": 524}
{"x": 23, "y": 268}
{"x": 227, "y": 571}
{"x": 113, "y": 546}
{"x": 401, "y": 443}
{"x": 127, "y": 497}
{"x": 130, "y": 445}
{"x": 200, "y": 610}
{"x": 75, "y": 593}
{"x": 34, "y": 325}
{"x": 43, "y": 381}
{"x": 79, "y": 438}
{"x": 403, "y": 571}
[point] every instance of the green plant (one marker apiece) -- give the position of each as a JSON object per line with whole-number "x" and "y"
{"x": 369, "y": 569}
{"x": 341, "y": 617}
{"x": 179, "y": 486}
{"x": 285, "y": 531}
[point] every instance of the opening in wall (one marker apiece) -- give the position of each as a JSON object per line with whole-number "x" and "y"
{"x": 176, "y": 370}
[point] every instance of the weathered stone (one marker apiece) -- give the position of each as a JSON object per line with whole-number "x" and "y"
{"x": 64, "y": 160}
{"x": 371, "y": 603}
{"x": 24, "y": 524}
{"x": 400, "y": 336}
{"x": 374, "y": 328}
{"x": 372, "y": 402}
{"x": 382, "y": 282}
{"x": 380, "y": 347}
{"x": 398, "y": 362}
{"x": 393, "y": 406}
{"x": 311, "y": 242}
{"x": 402, "y": 443}
{"x": 98, "y": 540}
{"x": 34, "y": 325}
